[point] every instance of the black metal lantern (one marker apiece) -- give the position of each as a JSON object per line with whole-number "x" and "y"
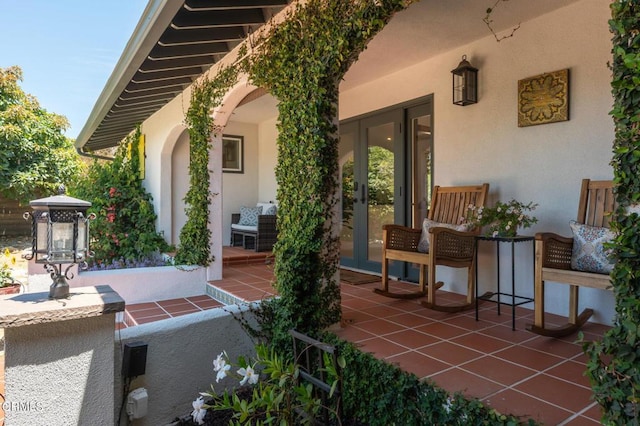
{"x": 465, "y": 83}
{"x": 60, "y": 233}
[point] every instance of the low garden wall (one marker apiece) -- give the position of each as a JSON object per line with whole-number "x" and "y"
{"x": 180, "y": 359}
{"x": 138, "y": 285}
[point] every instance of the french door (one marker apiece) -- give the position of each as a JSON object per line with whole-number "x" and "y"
{"x": 377, "y": 180}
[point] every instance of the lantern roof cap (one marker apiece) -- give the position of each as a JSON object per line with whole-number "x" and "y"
{"x": 463, "y": 66}
{"x": 60, "y": 201}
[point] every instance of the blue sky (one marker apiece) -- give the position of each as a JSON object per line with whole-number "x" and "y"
{"x": 67, "y": 49}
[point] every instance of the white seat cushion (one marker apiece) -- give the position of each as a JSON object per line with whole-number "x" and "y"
{"x": 237, "y": 227}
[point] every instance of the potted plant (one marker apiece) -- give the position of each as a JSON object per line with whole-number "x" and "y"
{"x": 503, "y": 219}
{"x": 8, "y": 285}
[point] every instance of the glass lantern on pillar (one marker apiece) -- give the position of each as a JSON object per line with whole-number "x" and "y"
{"x": 60, "y": 233}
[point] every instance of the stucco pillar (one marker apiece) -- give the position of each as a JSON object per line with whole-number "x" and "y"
{"x": 214, "y": 271}
{"x": 59, "y": 357}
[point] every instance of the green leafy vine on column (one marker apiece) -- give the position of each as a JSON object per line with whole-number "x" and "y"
{"x": 195, "y": 236}
{"x": 613, "y": 362}
{"x": 301, "y": 62}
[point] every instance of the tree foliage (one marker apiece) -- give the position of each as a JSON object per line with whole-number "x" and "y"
{"x": 36, "y": 156}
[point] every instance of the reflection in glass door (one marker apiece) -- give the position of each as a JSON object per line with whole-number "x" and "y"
{"x": 380, "y": 186}
{"x": 420, "y": 146}
{"x": 348, "y": 136}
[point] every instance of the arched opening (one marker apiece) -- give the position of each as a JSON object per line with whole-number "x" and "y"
{"x": 179, "y": 185}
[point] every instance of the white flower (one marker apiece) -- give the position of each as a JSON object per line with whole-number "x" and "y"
{"x": 447, "y": 406}
{"x": 220, "y": 365}
{"x": 248, "y": 376}
{"x": 219, "y": 362}
{"x": 222, "y": 373}
{"x": 198, "y": 412}
{"x": 495, "y": 234}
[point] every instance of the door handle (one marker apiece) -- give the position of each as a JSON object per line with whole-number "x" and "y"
{"x": 363, "y": 194}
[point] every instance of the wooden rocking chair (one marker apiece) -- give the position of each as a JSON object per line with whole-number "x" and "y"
{"x": 553, "y": 259}
{"x": 447, "y": 246}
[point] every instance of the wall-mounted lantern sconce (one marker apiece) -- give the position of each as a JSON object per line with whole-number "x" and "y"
{"x": 465, "y": 83}
{"x": 60, "y": 235}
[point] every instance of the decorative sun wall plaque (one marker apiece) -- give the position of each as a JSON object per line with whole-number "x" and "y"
{"x": 543, "y": 99}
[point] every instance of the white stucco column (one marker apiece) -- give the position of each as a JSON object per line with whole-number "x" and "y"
{"x": 214, "y": 271}
{"x": 59, "y": 357}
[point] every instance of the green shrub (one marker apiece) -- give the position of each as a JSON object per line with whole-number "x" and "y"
{"x": 378, "y": 393}
{"x": 124, "y": 228}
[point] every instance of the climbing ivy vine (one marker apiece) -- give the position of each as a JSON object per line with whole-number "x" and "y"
{"x": 613, "y": 362}
{"x": 301, "y": 62}
{"x": 195, "y": 236}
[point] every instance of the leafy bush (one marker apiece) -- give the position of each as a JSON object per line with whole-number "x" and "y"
{"x": 124, "y": 229}
{"x": 154, "y": 259}
{"x": 278, "y": 396}
{"x": 378, "y": 393}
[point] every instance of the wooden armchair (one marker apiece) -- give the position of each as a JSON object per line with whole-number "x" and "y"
{"x": 448, "y": 247}
{"x": 553, "y": 259}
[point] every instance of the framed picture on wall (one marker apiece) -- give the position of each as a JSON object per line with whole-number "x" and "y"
{"x": 232, "y": 154}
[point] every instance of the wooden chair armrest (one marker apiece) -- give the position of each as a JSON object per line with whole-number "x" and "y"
{"x": 453, "y": 245}
{"x": 397, "y": 237}
{"x": 554, "y": 251}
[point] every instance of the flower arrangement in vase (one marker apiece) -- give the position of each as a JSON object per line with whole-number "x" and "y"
{"x": 503, "y": 219}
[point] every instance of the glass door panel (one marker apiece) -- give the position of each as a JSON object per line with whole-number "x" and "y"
{"x": 348, "y": 138}
{"x": 380, "y": 185}
{"x": 368, "y": 156}
{"x": 421, "y": 173}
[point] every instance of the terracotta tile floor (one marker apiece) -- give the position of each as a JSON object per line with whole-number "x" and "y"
{"x": 516, "y": 372}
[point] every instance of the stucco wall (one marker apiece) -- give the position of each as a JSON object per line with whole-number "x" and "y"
{"x": 180, "y": 360}
{"x": 240, "y": 189}
{"x": 482, "y": 142}
{"x": 179, "y": 186}
{"x": 268, "y": 152}
{"x": 62, "y": 371}
{"x": 138, "y": 285}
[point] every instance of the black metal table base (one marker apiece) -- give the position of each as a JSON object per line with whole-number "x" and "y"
{"x": 500, "y": 297}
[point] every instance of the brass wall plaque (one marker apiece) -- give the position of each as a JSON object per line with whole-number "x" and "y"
{"x": 543, "y": 99}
